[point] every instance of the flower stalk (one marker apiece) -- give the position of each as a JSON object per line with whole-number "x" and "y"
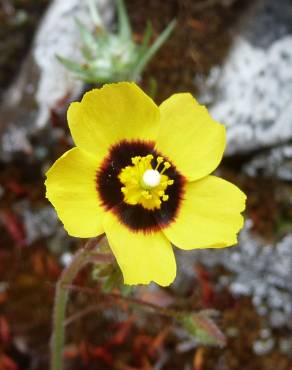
{"x": 84, "y": 256}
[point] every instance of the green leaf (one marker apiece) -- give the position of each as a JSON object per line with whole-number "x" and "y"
{"x": 86, "y": 36}
{"x": 152, "y": 89}
{"x": 84, "y": 74}
{"x": 203, "y": 329}
{"x": 87, "y": 54}
{"x": 94, "y": 42}
{"x": 146, "y": 39}
{"x": 94, "y": 13}
{"x": 149, "y": 54}
{"x": 72, "y": 66}
{"x": 126, "y": 290}
{"x": 113, "y": 280}
{"x": 109, "y": 275}
{"x": 124, "y": 29}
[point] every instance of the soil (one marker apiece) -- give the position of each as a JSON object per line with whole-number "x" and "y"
{"x": 201, "y": 38}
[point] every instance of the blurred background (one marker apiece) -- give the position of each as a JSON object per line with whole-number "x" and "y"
{"x": 235, "y": 56}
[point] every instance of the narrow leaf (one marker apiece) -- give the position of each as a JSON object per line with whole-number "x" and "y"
{"x": 124, "y": 29}
{"x": 146, "y": 39}
{"x": 94, "y": 13}
{"x": 72, "y": 66}
{"x": 153, "y": 49}
{"x": 86, "y": 36}
{"x": 78, "y": 69}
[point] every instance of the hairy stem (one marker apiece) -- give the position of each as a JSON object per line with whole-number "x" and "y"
{"x": 80, "y": 259}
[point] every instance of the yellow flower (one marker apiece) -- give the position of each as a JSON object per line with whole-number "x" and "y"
{"x": 140, "y": 173}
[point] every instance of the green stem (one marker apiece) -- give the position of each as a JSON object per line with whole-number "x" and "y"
{"x": 81, "y": 258}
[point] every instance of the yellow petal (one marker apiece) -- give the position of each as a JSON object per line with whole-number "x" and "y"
{"x": 71, "y": 189}
{"x": 189, "y": 137}
{"x": 209, "y": 216}
{"x": 142, "y": 257}
{"x": 120, "y": 111}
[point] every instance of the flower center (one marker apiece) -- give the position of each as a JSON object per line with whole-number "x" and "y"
{"x": 151, "y": 178}
{"x": 144, "y": 184}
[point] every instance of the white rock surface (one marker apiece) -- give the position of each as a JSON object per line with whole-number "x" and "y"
{"x": 252, "y": 93}
{"x": 58, "y": 35}
{"x": 260, "y": 271}
{"x": 275, "y": 163}
{"x": 43, "y": 84}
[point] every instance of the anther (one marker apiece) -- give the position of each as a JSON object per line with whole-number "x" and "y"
{"x": 158, "y": 160}
{"x": 143, "y": 184}
{"x": 166, "y": 165}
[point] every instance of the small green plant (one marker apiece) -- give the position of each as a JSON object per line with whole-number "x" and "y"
{"x": 110, "y": 57}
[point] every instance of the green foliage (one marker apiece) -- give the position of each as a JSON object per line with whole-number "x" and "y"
{"x": 201, "y": 328}
{"x": 111, "y": 57}
{"x": 109, "y": 275}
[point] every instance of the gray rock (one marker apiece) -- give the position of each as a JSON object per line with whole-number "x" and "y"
{"x": 58, "y": 35}
{"x": 43, "y": 83}
{"x": 38, "y": 222}
{"x": 262, "y": 347}
{"x": 251, "y": 93}
{"x": 260, "y": 271}
{"x": 275, "y": 163}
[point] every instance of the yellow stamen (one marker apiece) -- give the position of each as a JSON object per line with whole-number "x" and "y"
{"x": 166, "y": 166}
{"x": 136, "y": 160}
{"x": 148, "y": 190}
{"x": 149, "y": 157}
{"x": 158, "y": 160}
